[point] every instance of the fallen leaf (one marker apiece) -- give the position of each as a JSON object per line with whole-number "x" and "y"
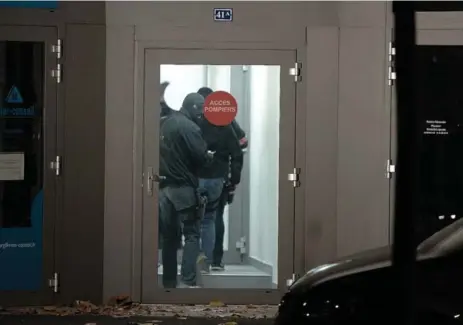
{"x": 118, "y": 300}
{"x": 216, "y": 303}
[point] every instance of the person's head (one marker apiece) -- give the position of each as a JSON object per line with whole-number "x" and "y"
{"x": 205, "y": 91}
{"x": 192, "y": 106}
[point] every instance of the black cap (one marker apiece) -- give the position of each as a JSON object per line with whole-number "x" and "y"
{"x": 193, "y": 104}
{"x": 205, "y": 91}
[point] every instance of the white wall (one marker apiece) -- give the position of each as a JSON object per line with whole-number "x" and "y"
{"x": 184, "y": 79}
{"x": 264, "y": 157}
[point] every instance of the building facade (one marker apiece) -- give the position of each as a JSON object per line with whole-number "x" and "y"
{"x": 314, "y": 86}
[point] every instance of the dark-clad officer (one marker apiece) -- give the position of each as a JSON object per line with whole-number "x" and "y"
{"x": 182, "y": 152}
{"x": 224, "y": 141}
{"x": 231, "y": 182}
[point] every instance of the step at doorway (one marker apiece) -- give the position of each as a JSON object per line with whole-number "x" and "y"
{"x": 233, "y": 277}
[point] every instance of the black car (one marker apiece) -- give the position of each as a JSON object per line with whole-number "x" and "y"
{"x": 358, "y": 290}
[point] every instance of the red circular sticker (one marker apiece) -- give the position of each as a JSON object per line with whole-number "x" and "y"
{"x": 220, "y": 108}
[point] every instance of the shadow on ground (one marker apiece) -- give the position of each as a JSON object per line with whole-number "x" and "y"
{"x": 108, "y": 320}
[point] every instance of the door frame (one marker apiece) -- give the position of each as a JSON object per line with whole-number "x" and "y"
{"x": 47, "y": 35}
{"x": 152, "y": 293}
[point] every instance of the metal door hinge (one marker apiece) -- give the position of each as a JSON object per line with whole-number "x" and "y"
{"x": 290, "y": 282}
{"x": 296, "y": 71}
{"x": 390, "y": 168}
{"x": 54, "y": 282}
{"x": 294, "y": 177}
{"x": 57, "y": 49}
{"x": 56, "y": 165}
{"x": 391, "y": 74}
{"x": 56, "y": 73}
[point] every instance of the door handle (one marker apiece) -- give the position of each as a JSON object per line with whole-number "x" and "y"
{"x": 149, "y": 181}
{"x": 158, "y": 178}
{"x": 151, "y": 177}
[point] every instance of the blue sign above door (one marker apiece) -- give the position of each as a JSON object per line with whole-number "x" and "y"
{"x": 30, "y": 4}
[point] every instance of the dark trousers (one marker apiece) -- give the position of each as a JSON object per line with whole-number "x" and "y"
{"x": 217, "y": 254}
{"x": 172, "y": 224}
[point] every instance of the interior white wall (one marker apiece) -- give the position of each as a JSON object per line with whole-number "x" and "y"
{"x": 184, "y": 79}
{"x": 264, "y": 157}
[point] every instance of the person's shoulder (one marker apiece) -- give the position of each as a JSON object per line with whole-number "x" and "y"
{"x": 187, "y": 126}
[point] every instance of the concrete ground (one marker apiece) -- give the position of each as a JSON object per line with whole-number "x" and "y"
{"x": 121, "y": 311}
{"x": 108, "y": 320}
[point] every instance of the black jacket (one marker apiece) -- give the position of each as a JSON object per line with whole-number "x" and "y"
{"x": 225, "y": 141}
{"x": 236, "y": 162}
{"x": 183, "y": 151}
{"x": 165, "y": 109}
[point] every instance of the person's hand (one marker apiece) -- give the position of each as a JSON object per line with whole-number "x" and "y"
{"x": 230, "y": 197}
{"x": 163, "y": 89}
{"x": 230, "y": 187}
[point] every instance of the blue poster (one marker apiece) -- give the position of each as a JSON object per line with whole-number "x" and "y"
{"x": 14, "y": 105}
{"x": 30, "y": 4}
{"x": 21, "y": 253}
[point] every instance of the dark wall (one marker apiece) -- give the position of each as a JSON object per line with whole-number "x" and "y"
{"x": 81, "y": 236}
{"x": 81, "y": 142}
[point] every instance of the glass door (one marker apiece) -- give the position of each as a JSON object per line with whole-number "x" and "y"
{"x": 219, "y": 125}
{"x": 27, "y": 146}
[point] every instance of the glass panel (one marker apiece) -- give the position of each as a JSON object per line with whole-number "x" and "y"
{"x": 21, "y": 164}
{"x": 235, "y": 244}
